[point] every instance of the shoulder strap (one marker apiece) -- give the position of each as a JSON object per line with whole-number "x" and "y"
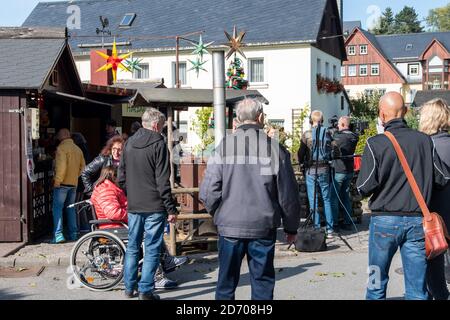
{"x": 409, "y": 175}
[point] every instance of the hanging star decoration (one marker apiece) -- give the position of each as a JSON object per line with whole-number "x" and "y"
{"x": 133, "y": 64}
{"x": 235, "y": 43}
{"x": 114, "y": 61}
{"x": 197, "y": 65}
{"x": 200, "y": 48}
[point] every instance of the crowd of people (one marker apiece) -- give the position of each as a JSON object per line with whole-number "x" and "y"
{"x": 251, "y": 190}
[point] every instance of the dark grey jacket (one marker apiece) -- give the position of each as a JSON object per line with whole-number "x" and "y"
{"x": 440, "y": 200}
{"x": 249, "y": 186}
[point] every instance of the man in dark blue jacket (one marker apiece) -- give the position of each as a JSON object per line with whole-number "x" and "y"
{"x": 249, "y": 187}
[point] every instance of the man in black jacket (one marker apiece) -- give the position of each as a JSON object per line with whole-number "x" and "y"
{"x": 396, "y": 218}
{"x": 144, "y": 174}
{"x": 346, "y": 141}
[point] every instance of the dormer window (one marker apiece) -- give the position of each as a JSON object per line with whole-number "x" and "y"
{"x": 127, "y": 20}
{"x": 409, "y": 47}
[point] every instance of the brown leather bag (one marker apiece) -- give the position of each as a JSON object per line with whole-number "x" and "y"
{"x": 433, "y": 225}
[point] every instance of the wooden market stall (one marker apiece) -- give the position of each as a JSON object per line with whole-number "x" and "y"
{"x": 38, "y": 96}
{"x": 178, "y": 100}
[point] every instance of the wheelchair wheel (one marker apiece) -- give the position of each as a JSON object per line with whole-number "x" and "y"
{"x": 97, "y": 260}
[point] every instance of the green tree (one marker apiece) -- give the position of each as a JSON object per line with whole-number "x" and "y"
{"x": 295, "y": 137}
{"x": 412, "y": 118}
{"x": 200, "y": 125}
{"x": 365, "y": 107}
{"x": 439, "y": 19}
{"x": 386, "y": 23}
{"x": 406, "y": 21}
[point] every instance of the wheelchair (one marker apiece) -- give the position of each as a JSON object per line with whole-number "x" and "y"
{"x": 97, "y": 258}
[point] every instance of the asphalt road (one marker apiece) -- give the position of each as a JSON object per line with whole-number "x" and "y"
{"x": 330, "y": 276}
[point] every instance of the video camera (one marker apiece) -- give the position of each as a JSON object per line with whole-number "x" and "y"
{"x": 359, "y": 126}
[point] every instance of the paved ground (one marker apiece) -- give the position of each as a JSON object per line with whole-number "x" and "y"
{"x": 339, "y": 273}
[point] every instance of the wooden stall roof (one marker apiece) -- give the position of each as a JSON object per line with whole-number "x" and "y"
{"x": 174, "y": 97}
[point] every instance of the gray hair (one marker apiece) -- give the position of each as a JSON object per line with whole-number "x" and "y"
{"x": 248, "y": 110}
{"x": 151, "y": 116}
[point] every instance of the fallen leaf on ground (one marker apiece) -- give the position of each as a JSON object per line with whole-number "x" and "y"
{"x": 321, "y": 274}
{"x": 338, "y": 274}
{"x": 42, "y": 255}
{"x": 354, "y": 273}
{"x": 32, "y": 284}
{"x": 21, "y": 269}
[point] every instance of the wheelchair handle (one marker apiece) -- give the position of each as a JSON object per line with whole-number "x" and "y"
{"x": 73, "y": 205}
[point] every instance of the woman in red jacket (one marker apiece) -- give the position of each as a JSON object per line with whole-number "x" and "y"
{"x": 109, "y": 200}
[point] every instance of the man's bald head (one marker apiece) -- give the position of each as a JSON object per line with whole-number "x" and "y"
{"x": 63, "y": 134}
{"x": 344, "y": 123}
{"x": 391, "y": 106}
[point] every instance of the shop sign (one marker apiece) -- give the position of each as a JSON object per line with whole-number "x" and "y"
{"x": 132, "y": 111}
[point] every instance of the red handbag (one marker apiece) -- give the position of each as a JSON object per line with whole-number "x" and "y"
{"x": 436, "y": 234}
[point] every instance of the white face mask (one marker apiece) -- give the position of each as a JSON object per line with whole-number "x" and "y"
{"x": 380, "y": 127}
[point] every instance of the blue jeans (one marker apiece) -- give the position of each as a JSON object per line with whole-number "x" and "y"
{"x": 153, "y": 226}
{"x": 62, "y": 197}
{"x": 324, "y": 185}
{"x": 387, "y": 234}
{"x": 341, "y": 183}
{"x": 260, "y": 254}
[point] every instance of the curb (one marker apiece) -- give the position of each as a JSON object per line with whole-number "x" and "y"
{"x": 30, "y": 262}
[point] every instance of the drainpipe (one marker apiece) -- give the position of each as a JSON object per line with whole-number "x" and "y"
{"x": 219, "y": 95}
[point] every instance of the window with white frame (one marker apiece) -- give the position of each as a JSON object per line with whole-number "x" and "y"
{"x": 351, "y": 50}
{"x": 334, "y": 72}
{"x": 375, "y": 69}
{"x": 413, "y": 69}
{"x": 142, "y": 72}
{"x": 319, "y": 66}
{"x": 343, "y": 71}
{"x": 363, "y": 49}
{"x": 256, "y": 70}
{"x": 352, "y": 71}
{"x": 327, "y": 69}
{"x": 363, "y": 70}
{"x": 182, "y": 73}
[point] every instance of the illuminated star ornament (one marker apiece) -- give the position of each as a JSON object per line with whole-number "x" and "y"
{"x": 133, "y": 64}
{"x": 114, "y": 62}
{"x": 197, "y": 65}
{"x": 235, "y": 43}
{"x": 200, "y": 48}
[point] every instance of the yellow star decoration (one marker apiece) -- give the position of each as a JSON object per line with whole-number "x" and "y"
{"x": 114, "y": 62}
{"x": 235, "y": 42}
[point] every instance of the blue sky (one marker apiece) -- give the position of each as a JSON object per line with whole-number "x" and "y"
{"x": 14, "y": 12}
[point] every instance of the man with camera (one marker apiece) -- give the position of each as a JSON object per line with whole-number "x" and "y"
{"x": 315, "y": 154}
{"x": 346, "y": 141}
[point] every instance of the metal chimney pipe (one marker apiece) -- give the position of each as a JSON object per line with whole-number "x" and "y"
{"x": 219, "y": 95}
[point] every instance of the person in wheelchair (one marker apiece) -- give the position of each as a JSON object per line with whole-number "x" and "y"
{"x": 110, "y": 202}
